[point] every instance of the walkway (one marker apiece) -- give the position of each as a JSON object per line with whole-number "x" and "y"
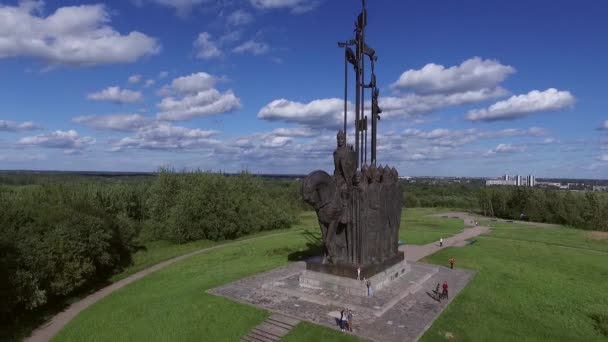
{"x": 271, "y": 330}
{"x": 415, "y": 252}
{"x": 46, "y": 331}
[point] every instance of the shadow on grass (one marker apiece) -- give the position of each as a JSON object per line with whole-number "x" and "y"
{"x": 22, "y": 323}
{"x": 600, "y": 323}
{"x": 314, "y": 247}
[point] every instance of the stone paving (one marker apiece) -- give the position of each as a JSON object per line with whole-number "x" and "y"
{"x": 402, "y": 311}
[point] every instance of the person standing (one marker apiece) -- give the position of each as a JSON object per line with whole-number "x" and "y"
{"x": 358, "y": 273}
{"x": 445, "y": 290}
{"x": 441, "y": 242}
{"x": 349, "y": 319}
{"x": 452, "y": 262}
{"x": 342, "y": 323}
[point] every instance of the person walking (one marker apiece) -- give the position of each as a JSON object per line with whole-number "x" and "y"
{"x": 441, "y": 242}
{"x": 369, "y": 289}
{"x": 452, "y": 262}
{"x": 349, "y": 319}
{"x": 445, "y": 290}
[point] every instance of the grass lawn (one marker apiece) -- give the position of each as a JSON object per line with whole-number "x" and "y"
{"x": 528, "y": 287}
{"x": 418, "y": 228}
{"x": 305, "y": 332}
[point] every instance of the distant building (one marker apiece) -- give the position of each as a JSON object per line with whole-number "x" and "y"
{"x": 600, "y": 188}
{"x": 516, "y": 180}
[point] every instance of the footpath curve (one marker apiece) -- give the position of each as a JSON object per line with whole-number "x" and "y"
{"x": 49, "y": 329}
{"x": 416, "y": 252}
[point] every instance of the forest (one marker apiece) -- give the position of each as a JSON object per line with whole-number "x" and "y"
{"x": 63, "y": 234}
{"x": 583, "y": 210}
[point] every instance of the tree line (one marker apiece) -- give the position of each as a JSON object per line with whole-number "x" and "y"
{"x": 584, "y": 210}
{"x": 60, "y": 236}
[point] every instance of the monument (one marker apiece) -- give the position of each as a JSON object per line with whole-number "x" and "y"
{"x": 359, "y": 212}
{"x": 359, "y": 206}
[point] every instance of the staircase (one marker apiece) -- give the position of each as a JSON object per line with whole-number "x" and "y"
{"x": 271, "y": 330}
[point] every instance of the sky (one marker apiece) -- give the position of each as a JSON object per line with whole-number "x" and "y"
{"x": 467, "y": 88}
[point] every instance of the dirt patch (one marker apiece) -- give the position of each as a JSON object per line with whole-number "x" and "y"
{"x": 597, "y": 236}
{"x": 447, "y": 335}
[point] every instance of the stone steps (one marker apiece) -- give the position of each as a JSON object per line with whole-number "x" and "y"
{"x": 271, "y": 330}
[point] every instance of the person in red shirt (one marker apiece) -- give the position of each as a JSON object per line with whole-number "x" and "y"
{"x": 445, "y": 290}
{"x": 452, "y": 263}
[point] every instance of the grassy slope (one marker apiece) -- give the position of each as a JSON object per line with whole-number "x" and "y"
{"x": 171, "y": 304}
{"x": 419, "y": 229}
{"x": 526, "y": 290}
{"x": 305, "y": 332}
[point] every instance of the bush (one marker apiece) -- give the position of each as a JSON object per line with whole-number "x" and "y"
{"x": 201, "y": 205}
{"x": 55, "y": 242}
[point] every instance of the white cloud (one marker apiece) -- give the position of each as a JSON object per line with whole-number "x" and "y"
{"x": 230, "y": 37}
{"x": 192, "y": 83}
{"x": 303, "y": 132}
{"x": 134, "y": 79}
{"x": 504, "y": 149}
{"x": 413, "y": 105}
{"x": 149, "y": 83}
{"x": 163, "y": 74}
{"x": 472, "y": 74}
{"x": 276, "y": 141}
{"x": 182, "y": 7}
{"x": 239, "y": 18}
{"x": 203, "y": 103}
{"x": 604, "y": 125}
{"x": 603, "y": 158}
{"x": 455, "y": 138}
{"x": 74, "y": 35}
{"x": 117, "y": 95}
{"x": 548, "y": 141}
{"x": 522, "y": 105}
{"x": 251, "y": 46}
{"x": 198, "y": 98}
{"x": 317, "y": 113}
{"x": 114, "y": 122}
{"x": 508, "y": 148}
{"x": 206, "y": 48}
{"x": 295, "y": 6}
{"x": 11, "y": 126}
{"x": 165, "y": 136}
{"x": 58, "y": 139}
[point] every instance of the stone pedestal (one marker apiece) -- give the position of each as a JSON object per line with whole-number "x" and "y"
{"x": 350, "y": 285}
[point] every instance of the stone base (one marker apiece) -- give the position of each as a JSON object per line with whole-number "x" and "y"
{"x": 401, "y": 311}
{"x": 319, "y": 280}
{"x": 350, "y": 270}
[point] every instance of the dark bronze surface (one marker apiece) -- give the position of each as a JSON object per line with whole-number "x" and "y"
{"x": 359, "y": 206}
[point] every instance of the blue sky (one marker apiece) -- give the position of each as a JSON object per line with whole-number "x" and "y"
{"x": 468, "y": 88}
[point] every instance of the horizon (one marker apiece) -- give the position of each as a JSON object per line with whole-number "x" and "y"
{"x": 274, "y": 174}
{"x": 258, "y": 85}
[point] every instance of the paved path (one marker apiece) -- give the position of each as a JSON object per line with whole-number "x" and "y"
{"x": 46, "y": 331}
{"x": 415, "y": 252}
{"x": 272, "y": 329}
